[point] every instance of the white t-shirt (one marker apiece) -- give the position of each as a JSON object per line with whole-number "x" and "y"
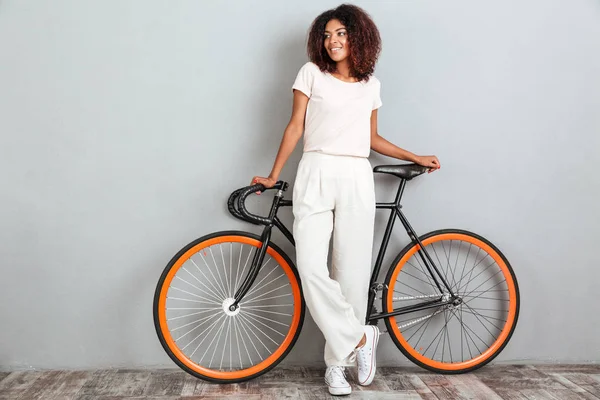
{"x": 338, "y": 115}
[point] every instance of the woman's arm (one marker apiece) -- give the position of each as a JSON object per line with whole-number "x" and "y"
{"x": 293, "y": 132}
{"x": 382, "y": 146}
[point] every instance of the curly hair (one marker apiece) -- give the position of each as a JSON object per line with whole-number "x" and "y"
{"x": 363, "y": 38}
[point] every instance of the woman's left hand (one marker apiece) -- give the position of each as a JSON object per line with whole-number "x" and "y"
{"x": 429, "y": 161}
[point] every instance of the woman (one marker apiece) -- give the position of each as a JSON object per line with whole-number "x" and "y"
{"x": 336, "y": 98}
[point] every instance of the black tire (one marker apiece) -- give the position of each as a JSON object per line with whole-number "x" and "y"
{"x": 389, "y": 320}
{"x": 164, "y": 275}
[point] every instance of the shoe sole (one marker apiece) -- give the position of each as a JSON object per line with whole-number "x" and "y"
{"x": 374, "y": 365}
{"x": 340, "y": 391}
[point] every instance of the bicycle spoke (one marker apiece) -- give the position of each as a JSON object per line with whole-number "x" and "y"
{"x": 189, "y": 315}
{"x": 264, "y": 285}
{"x": 220, "y": 281}
{"x": 212, "y": 294}
{"x": 438, "y": 259}
{"x": 194, "y": 322}
{"x": 218, "y": 337}
{"x": 485, "y": 298}
{"x": 477, "y": 316}
{"x": 211, "y": 327}
{"x": 269, "y": 306}
{"x": 476, "y": 335}
{"x": 257, "y": 285}
{"x": 433, "y": 340}
{"x": 195, "y": 295}
{"x": 468, "y": 294}
{"x": 420, "y": 337}
{"x": 455, "y": 264}
{"x": 232, "y": 290}
{"x": 470, "y": 272}
{"x": 270, "y": 291}
{"x": 271, "y": 312}
{"x": 463, "y": 268}
{"x": 265, "y": 299}
{"x": 216, "y": 282}
{"x": 471, "y": 311}
{"x": 255, "y": 319}
{"x": 244, "y": 343}
{"x": 473, "y": 278}
{"x": 445, "y": 334}
{"x": 226, "y": 335}
{"x": 448, "y": 262}
{"x": 243, "y": 324}
{"x": 475, "y": 264}
{"x": 218, "y": 296}
{"x": 416, "y": 290}
{"x": 196, "y": 327}
{"x": 190, "y": 300}
{"x": 419, "y": 279}
{"x": 424, "y": 271}
{"x": 247, "y": 321}
{"x": 226, "y": 283}
{"x": 469, "y": 336}
{"x": 462, "y": 328}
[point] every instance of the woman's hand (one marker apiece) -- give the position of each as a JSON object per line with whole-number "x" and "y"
{"x": 267, "y": 182}
{"x": 429, "y": 161}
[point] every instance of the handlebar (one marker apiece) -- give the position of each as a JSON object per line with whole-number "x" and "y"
{"x": 237, "y": 199}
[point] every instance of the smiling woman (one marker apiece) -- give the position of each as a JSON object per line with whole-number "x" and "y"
{"x": 345, "y": 33}
{"x": 336, "y": 98}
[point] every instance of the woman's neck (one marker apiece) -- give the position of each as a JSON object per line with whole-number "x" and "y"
{"x": 343, "y": 71}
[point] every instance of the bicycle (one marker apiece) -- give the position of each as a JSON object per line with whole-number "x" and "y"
{"x": 423, "y": 302}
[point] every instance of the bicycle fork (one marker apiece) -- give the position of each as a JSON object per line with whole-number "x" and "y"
{"x": 259, "y": 253}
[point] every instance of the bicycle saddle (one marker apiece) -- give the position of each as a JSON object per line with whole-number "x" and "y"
{"x": 404, "y": 171}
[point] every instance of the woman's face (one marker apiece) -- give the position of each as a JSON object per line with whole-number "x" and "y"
{"x": 336, "y": 40}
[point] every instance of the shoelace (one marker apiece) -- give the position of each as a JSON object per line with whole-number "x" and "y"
{"x": 339, "y": 372}
{"x": 352, "y": 356}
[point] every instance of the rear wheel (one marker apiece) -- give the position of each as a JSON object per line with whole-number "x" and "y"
{"x": 469, "y": 333}
{"x": 195, "y": 325}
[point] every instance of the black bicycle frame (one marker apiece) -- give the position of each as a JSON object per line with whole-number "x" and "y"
{"x": 395, "y": 212}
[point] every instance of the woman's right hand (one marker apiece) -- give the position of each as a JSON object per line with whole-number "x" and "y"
{"x": 267, "y": 182}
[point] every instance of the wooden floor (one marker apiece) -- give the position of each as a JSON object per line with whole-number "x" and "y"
{"x": 562, "y": 382}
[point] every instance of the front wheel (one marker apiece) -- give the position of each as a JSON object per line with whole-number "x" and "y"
{"x": 192, "y": 316}
{"x": 464, "y": 335}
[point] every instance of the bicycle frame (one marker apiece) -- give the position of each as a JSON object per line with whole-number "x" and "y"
{"x": 395, "y": 212}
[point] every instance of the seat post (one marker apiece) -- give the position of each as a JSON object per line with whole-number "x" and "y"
{"x": 400, "y": 192}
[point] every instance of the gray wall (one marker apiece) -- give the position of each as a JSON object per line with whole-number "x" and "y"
{"x": 124, "y": 126}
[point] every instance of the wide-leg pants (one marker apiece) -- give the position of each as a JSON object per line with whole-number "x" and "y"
{"x": 335, "y": 194}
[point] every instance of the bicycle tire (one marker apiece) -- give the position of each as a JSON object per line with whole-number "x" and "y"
{"x": 160, "y": 313}
{"x": 417, "y": 355}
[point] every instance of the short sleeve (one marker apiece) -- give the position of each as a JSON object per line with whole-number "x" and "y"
{"x": 304, "y": 79}
{"x": 377, "y": 95}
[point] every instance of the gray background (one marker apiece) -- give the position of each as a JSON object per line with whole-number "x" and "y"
{"x": 124, "y": 126}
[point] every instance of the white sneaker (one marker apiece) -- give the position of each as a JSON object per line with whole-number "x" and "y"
{"x": 335, "y": 377}
{"x": 365, "y": 356}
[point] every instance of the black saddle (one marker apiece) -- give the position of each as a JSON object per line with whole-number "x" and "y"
{"x": 404, "y": 171}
